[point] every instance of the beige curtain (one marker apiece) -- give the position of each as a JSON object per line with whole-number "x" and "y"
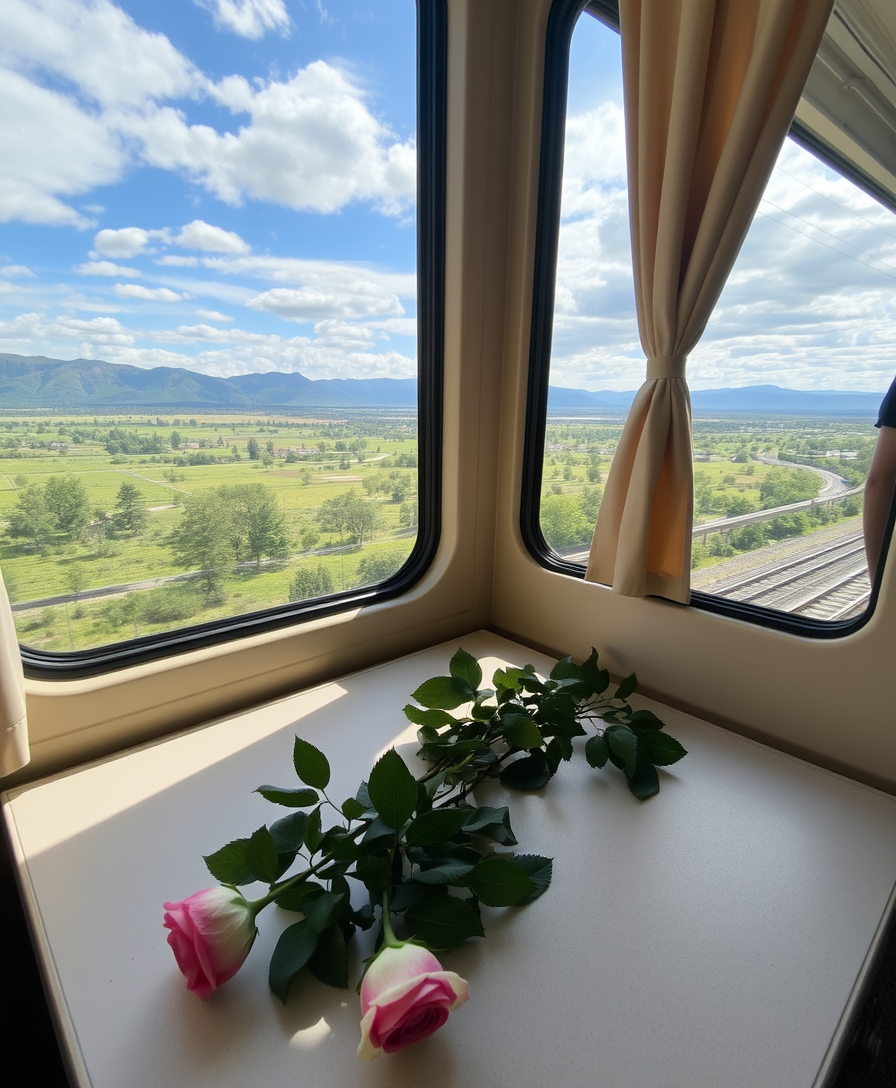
{"x": 710, "y": 87}
{"x": 13, "y": 726}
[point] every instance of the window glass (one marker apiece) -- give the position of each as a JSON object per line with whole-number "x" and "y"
{"x": 207, "y": 309}
{"x": 785, "y": 382}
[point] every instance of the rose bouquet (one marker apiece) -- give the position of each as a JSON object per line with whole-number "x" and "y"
{"x": 425, "y": 854}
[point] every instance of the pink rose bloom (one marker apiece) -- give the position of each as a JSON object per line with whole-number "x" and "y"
{"x": 405, "y": 996}
{"x": 211, "y": 934}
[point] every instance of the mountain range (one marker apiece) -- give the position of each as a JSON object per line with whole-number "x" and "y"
{"x": 36, "y": 382}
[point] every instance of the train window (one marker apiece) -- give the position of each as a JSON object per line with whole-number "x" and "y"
{"x": 222, "y": 229}
{"x": 785, "y": 382}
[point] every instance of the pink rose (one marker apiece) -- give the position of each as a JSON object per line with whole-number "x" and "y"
{"x": 211, "y": 934}
{"x": 405, "y": 996}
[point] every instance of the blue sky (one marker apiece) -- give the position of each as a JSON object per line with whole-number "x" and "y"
{"x": 810, "y": 304}
{"x": 225, "y": 184}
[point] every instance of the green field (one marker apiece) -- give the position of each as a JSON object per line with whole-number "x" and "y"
{"x": 302, "y": 467}
{"x": 300, "y": 464}
{"x": 732, "y": 475}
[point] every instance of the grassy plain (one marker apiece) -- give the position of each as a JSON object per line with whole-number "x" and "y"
{"x": 301, "y": 462}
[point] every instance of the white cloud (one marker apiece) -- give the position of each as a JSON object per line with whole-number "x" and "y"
{"x": 15, "y": 270}
{"x": 810, "y": 303}
{"x": 106, "y": 268}
{"x": 126, "y": 242}
{"x": 34, "y": 330}
{"x": 312, "y": 304}
{"x": 173, "y": 260}
{"x": 213, "y": 315}
{"x": 149, "y": 294}
{"x": 51, "y": 149}
{"x": 344, "y": 335}
{"x": 96, "y": 46}
{"x": 192, "y": 333}
{"x": 202, "y": 235}
{"x": 312, "y": 145}
{"x": 248, "y": 18}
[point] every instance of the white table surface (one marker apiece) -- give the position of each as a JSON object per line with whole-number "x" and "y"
{"x": 712, "y": 936}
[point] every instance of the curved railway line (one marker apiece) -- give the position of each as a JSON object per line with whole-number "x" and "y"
{"x": 828, "y": 582}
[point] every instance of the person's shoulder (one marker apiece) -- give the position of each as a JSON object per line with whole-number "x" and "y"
{"x": 887, "y": 414}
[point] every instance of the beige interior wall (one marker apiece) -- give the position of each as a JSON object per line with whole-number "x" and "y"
{"x": 826, "y": 699}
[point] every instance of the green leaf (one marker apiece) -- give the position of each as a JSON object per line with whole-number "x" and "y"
{"x": 507, "y": 679}
{"x": 311, "y": 764}
{"x": 289, "y": 833}
{"x": 434, "y": 718}
{"x": 645, "y": 781}
{"x": 465, "y": 669}
{"x": 624, "y": 745}
{"x": 539, "y": 870}
{"x": 596, "y": 751}
{"x": 530, "y": 773}
{"x": 375, "y": 871}
{"x": 406, "y": 895}
{"x": 294, "y": 949}
{"x": 565, "y": 669}
{"x": 313, "y": 833}
{"x": 393, "y": 789}
{"x": 441, "y": 693}
{"x": 289, "y": 798}
{"x": 493, "y": 823}
{"x": 363, "y": 798}
{"x": 319, "y": 907}
{"x": 294, "y": 898}
{"x": 628, "y": 686}
{"x": 261, "y": 855}
{"x": 598, "y": 679}
{"x": 443, "y": 921}
{"x": 500, "y": 882}
{"x": 645, "y": 719}
{"x": 352, "y": 809}
{"x": 229, "y": 864}
{"x": 437, "y": 825}
{"x": 520, "y": 731}
{"x": 662, "y": 748}
{"x": 449, "y": 872}
{"x": 329, "y": 961}
{"x": 377, "y": 829}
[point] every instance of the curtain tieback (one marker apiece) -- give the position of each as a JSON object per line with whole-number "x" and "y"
{"x": 666, "y": 366}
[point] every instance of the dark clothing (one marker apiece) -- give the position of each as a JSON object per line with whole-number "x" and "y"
{"x": 887, "y": 414}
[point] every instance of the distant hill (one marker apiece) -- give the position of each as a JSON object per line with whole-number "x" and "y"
{"x": 33, "y": 381}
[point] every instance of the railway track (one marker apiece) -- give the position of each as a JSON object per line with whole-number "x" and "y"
{"x": 827, "y": 582}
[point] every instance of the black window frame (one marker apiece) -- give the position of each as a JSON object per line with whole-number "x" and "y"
{"x": 432, "y": 39}
{"x": 562, "y": 20}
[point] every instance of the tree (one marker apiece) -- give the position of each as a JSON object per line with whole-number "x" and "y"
{"x": 563, "y": 522}
{"x": 253, "y": 449}
{"x": 31, "y": 519}
{"x": 257, "y": 525}
{"x": 67, "y": 501}
{"x": 310, "y": 583}
{"x": 380, "y": 566}
{"x": 175, "y": 439}
{"x": 361, "y": 517}
{"x": 202, "y": 540}
{"x": 130, "y": 512}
